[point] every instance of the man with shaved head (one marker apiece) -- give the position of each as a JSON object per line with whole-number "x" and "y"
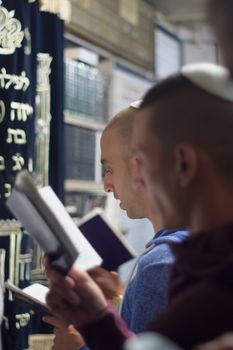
{"x": 184, "y": 146}
{"x": 146, "y": 295}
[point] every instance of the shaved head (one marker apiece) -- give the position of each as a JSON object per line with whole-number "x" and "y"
{"x": 123, "y": 122}
{"x": 117, "y": 161}
{"x": 187, "y": 113}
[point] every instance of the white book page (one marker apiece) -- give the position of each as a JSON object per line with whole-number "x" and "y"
{"x": 37, "y": 291}
{"x": 88, "y": 257}
{"x": 90, "y": 215}
{"x": 31, "y": 219}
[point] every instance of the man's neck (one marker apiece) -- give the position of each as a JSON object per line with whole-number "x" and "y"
{"x": 154, "y": 219}
{"x": 213, "y": 211}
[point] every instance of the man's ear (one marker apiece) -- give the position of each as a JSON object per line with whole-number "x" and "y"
{"x": 185, "y": 164}
{"x": 136, "y": 176}
{"x": 133, "y": 163}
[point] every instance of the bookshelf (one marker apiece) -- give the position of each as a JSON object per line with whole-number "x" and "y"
{"x": 96, "y": 84}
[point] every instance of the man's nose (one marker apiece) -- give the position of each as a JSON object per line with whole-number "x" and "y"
{"x": 108, "y": 187}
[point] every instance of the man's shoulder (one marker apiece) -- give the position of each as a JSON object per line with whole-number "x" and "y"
{"x": 170, "y": 236}
{"x": 160, "y": 246}
{"x": 159, "y": 254}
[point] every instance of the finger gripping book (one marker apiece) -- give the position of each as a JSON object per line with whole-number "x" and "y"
{"x": 45, "y": 218}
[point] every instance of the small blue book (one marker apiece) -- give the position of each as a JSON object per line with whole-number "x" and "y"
{"x": 108, "y": 241}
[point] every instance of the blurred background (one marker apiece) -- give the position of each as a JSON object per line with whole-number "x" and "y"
{"x": 68, "y": 69}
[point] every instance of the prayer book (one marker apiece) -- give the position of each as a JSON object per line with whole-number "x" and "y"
{"x": 109, "y": 242}
{"x": 33, "y": 296}
{"x": 95, "y": 242}
{"x": 44, "y": 217}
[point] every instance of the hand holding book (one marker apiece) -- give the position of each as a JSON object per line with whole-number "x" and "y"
{"x": 42, "y": 214}
{"x": 75, "y": 300}
{"x": 108, "y": 281}
{"x": 46, "y": 220}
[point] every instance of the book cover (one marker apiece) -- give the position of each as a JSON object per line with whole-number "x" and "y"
{"x": 44, "y": 217}
{"x": 109, "y": 242}
{"x": 34, "y": 296}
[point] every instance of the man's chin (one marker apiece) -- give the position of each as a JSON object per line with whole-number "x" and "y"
{"x": 121, "y": 206}
{"x": 133, "y": 215}
{"x": 129, "y": 213}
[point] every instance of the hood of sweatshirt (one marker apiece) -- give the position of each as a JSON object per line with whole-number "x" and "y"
{"x": 167, "y": 236}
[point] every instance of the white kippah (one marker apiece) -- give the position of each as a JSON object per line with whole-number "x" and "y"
{"x": 210, "y": 77}
{"x": 136, "y": 104}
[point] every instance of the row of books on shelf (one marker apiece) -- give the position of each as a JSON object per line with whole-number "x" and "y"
{"x": 80, "y": 153}
{"x": 85, "y": 90}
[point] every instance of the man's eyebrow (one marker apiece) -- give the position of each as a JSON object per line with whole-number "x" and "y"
{"x": 133, "y": 150}
{"x": 102, "y": 161}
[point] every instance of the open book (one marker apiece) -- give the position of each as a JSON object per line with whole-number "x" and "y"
{"x": 34, "y": 295}
{"x": 46, "y": 220}
{"x": 44, "y": 217}
{"x": 109, "y": 242}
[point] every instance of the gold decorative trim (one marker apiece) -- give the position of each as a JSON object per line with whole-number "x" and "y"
{"x": 7, "y": 227}
{"x": 41, "y": 341}
{"x": 62, "y": 8}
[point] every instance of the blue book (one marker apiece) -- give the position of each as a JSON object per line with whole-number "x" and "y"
{"x": 108, "y": 242}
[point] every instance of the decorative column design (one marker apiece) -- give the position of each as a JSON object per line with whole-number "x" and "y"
{"x": 43, "y": 118}
{"x": 42, "y": 128}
